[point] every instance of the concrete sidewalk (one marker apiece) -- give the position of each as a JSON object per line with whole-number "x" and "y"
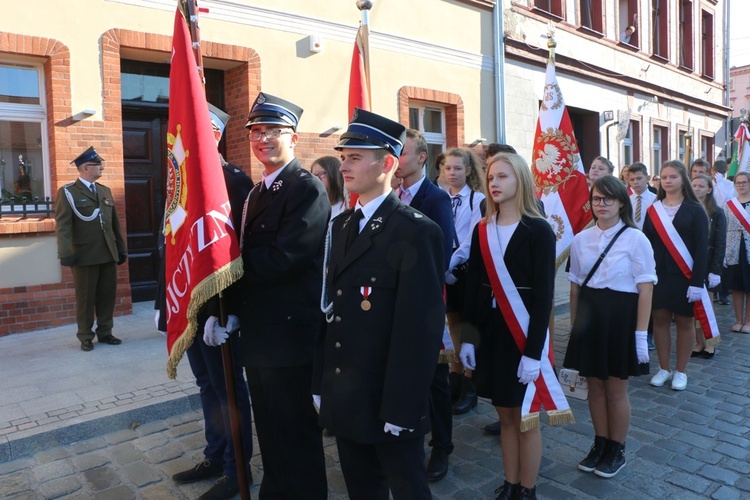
{"x": 53, "y": 393}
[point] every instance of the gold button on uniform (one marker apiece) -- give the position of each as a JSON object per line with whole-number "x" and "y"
{"x": 338, "y": 319}
{"x": 338, "y": 345}
{"x": 339, "y": 292}
{"x": 338, "y": 371}
{"x": 373, "y": 279}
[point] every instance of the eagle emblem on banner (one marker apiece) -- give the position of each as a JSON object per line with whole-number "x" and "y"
{"x": 176, "y": 185}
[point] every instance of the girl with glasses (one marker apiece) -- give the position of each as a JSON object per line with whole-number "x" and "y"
{"x": 676, "y": 220}
{"x": 326, "y": 169}
{"x": 737, "y": 211}
{"x": 717, "y": 241}
{"x": 610, "y": 307}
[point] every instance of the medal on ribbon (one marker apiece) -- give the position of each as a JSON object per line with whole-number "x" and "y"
{"x": 365, "y": 291}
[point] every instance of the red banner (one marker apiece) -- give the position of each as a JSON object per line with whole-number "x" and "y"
{"x": 201, "y": 250}
{"x": 557, "y": 168}
{"x": 359, "y": 81}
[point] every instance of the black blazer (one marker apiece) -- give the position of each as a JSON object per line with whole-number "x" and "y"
{"x": 376, "y": 366}
{"x": 691, "y": 224}
{"x": 282, "y": 255}
{"x": 717, "y": 242}
{"x": 530, "y": 259}
{"x": 436, "y": 204}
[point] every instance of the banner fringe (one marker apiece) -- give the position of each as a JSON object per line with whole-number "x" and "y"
{"x": 530, "y": 421}
{"x": 447, "y": 356}
{"x": 712, "y": 341}
{"x": 561, "y": 417}
{"x": 218, "y": 281}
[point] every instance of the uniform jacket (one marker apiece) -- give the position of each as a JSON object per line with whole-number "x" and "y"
{"x": 282, "y": 253}
{"x": 376, "y": 366}
{"x": 530, "y": 259}
{"x": 436, "y": 204}
{"x": 717, "y": 242}
{"x": 691, "y": 223}
{"x": 95, "y": 242}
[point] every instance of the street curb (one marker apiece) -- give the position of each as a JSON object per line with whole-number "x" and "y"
{"x": 27, "y": 443}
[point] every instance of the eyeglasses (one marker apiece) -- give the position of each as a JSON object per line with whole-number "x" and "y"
{"x": 741, "y": 183}
{"x": 274, "y": 133}
{"x": 606, "y": 201}
{"x": 321, "y": 175}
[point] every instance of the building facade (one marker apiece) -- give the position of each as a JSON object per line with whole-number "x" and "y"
{"x": 96, "y": 73}
{"x": 739, "y": 89}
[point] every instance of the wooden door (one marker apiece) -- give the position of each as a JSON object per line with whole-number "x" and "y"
{"x": 144, "y": 153}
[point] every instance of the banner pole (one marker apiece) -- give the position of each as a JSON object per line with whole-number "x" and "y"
{"x": 190, "y": 10}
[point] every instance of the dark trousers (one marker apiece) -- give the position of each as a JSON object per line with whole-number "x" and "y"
{"x": 96, "y": 288}
{"x": 370, "y": 470}
{"x": 441, "y": 412}
{"x": 208, "y": 368}
{"x": 290, "y": 439}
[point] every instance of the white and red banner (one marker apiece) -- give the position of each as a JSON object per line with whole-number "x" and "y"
{"x": 202, "y": 256}
{"x": 743, "y": 146}
{"x": 557, "y": 168}
{"x": 545, "y": 392}
{"x": 703, "y": 309}
{"x": 359, "y": 81}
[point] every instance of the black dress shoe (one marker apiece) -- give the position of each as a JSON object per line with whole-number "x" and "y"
{"x": 437, "y": 467}
{"x": 225, "y": 487}
{"x": 203, "y": 470}
{"x": 493, "y": 429}
{"x": 695, "y": 354}
{"x": 111, "y": 340}
{"x": 87, "y": 345}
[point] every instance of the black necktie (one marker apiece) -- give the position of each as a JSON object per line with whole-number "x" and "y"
{"x": 92, "y": 187}
{"x": 353, "y": 228}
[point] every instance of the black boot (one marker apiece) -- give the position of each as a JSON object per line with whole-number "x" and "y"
{"x": 613, "y": 461}
{"x": 454, "y": 380}
{"x": 527, "y": 493}
{"x": 468, "y": 397}
{"x": 508, "y": 491}
{"x": 595, "y": 456}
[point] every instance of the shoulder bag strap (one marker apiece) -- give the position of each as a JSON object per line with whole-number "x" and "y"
{"x": 604, "y": 254}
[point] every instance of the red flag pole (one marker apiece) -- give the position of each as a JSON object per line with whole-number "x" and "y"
{"x": 190, "y": 9}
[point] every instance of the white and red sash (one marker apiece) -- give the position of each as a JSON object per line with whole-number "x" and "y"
{"x": 545, "y": 392}
{"x": 703, "y": 309}
{"x": 739, "y": 211}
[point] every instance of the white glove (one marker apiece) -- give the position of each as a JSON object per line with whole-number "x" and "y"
{"x": 713, "y": 280}
{"x": 316, "y": 402}
{"x": 694, "y": 293}
{"x": 394, "y": 429}
{"x": 233, "y": 323}
{"x": 528, "y": 370}
{"x": 214, "y": 334}
{"x": 641, "y": 347}
{"x": 467, "y": 356}
{"x": 450, "y": 279}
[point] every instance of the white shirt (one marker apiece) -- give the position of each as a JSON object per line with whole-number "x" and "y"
{"x": 723, "y": 189}
{"x": 411, "y": 191}
{"x": 337, "y": 209}
{"x": 369, "y": 209}
{"x": 464, "y": 221}
{"x": 270, "y": 178}
{"x": 504, "y": 234}
{"x": 630, "y": 260}
{"x": 647, "y": 199}
{"x": 86, "y": 183}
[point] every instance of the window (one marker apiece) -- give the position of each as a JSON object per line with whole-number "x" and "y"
{"x": 24, "y": 165}
{"x": 659, "y": 148}
{"x": 681, "y": 140}
{"x": 591, "y": 14}
{"x": 686, "y": 34}
{"x": 731, "y": 84}
{"x": 707, "y": 44}
{"x": 707, "y": 148}
{"x": 628, "y": 12}
{"x": 659, "y": 27}
{"x": 553, "y": 7}
{"x": 430, "y": 120}
{"x": 631, "y": 144}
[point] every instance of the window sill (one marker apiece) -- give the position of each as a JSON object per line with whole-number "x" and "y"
{"x": 546, "y": 13}
{"x": 10, "y": 225}
{"x": 632, "y": 48}
{"x": 709, "y": 78}
{"x": 590, "y": 31}
{"x": 659, "y": 58}
{"x": 685, "y": 68}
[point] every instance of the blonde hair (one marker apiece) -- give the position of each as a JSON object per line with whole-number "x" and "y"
{"x": 526, "y": 202}
{"x": 473, "y": 166}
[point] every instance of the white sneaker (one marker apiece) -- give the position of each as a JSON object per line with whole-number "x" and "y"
{"x": 679, "y": 381}
{"x": 661, "y": 377}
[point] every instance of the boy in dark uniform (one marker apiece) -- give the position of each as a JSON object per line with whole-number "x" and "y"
{"x": 90, "y": 241}
{"x": 376, "y": 360}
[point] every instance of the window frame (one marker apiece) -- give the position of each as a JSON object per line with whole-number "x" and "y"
{"x": 431, "y": 138}
{"x": 685, "y": 56}
{"x": 553, "y": 8}
{"x": 707, "y": 44}
{"x": 660, "y": 28}
{"x": 596, "y": 11}
{"x": 31, "y": 113}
